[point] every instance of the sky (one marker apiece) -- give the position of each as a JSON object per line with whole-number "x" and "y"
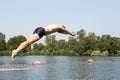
{"x": 21, "y": 17}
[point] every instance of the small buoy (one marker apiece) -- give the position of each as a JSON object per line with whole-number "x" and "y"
{"x": 36, "y": 62}
{"x": 89, "y": 61}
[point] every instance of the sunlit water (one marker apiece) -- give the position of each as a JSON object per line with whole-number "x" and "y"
{"x": 61, "y": 68}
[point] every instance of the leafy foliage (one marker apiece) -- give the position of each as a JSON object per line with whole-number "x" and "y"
{"x": 14, "y": 42}
{"x": 81, "y": 45}
{"x": 2, "y": 42}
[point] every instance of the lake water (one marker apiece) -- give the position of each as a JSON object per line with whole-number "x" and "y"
{"x": 61, "y": 68}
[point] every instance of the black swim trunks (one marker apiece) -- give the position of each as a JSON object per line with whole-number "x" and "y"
{"x": 40, "y": 31}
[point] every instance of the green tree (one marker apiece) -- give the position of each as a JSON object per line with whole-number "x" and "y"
{"x": 72, "y": 45}
{"x": 98, "y": 42}
{"x": 81, "y": 44}
{"x": 61, "y": 44}
{"x": 50, "y": 42}
{"x": 14, "y": 42}
{"x": 113, "y": 48}
{"x": 81, "y": 34}
{"x": 2, "y": 42}
{"x": 38, "y": 46}
{"x": 91, "y": 41}
{"x": 104, "y": 43}
{"x": 118, "y": 43}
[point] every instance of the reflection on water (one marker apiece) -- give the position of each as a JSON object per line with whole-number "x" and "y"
{"x": 62, "y": 68}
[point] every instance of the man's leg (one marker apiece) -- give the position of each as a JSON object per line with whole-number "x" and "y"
{"x": 32, "y": 39}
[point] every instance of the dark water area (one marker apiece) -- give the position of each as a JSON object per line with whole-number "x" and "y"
{"x": 60, "y": 68}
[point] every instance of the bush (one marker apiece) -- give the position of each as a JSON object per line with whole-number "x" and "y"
{"x": 104, "y": 53}
{"x": 87, "y": 53}
{"x": 96, "y": 53}
{"x": 5, "y": 53}
{"x": 118, "y": 53}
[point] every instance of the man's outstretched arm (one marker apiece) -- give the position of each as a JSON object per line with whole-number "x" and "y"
{"x": 65, "y": 31}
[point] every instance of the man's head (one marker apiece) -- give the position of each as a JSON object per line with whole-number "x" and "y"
{"x": 61, "y": 31}
{"x": 63, "y": 26}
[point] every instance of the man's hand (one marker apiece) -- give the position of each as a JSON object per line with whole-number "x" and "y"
{"x": 73, "y": 33}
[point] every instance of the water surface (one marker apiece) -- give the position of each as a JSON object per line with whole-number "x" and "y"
{"x": 61, "y": 68}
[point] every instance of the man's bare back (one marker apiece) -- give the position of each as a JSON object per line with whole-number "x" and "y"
{"x": 52, "y": 28}
{"x": 57, "y": 28}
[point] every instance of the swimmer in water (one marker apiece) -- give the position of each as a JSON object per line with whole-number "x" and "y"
{"x": 38, "y": 34}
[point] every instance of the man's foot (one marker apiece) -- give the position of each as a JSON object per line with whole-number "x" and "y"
{"x": 13, "y": 55}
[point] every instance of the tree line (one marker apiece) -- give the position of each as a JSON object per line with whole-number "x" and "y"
{"x": 81, "y": 45}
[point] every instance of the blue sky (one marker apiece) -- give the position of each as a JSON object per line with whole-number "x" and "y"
{"x": 21, "y": 17}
